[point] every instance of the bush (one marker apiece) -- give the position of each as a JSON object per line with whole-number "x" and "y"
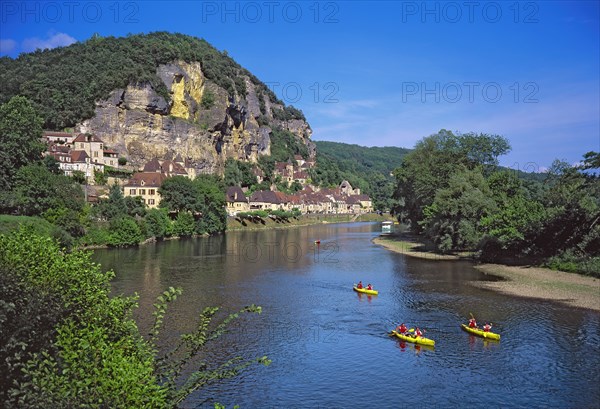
{"x": 65, "y": 343}
{"x": 184, "y": 224}
{"x": 96, "y": 236}
{"x": 208, "y": 99}
{"x": 571, "y": 263}
{"x": 158, "y": 223}
{"x": 122, "y": 161}
{"x": 124, "y": 232}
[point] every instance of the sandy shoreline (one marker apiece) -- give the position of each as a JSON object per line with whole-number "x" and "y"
{"x": 535, "y": 282}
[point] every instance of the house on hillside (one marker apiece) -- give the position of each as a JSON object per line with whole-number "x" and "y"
{"x": 166, "y": 167}
{"x": 92, "y": 145}
{"x": 236, "y": 201}
{"x": 145, "y": 185}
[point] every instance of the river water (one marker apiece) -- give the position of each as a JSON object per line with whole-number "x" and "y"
{"x": 329, "y": 345}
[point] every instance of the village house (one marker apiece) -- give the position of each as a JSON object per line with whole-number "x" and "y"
{"x": 66, "y": 148}
{"x": 60, "y": 138}
{"x": 236, "y": 201}
{"x": 176, "y": 167}
{"x": 92, "y": 145}
{"x": 145, "y": 185}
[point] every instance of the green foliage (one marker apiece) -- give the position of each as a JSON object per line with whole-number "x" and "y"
{"x": 184, "y": 224}
{"x": 52, "y": 165}
{"x": 288, "y": 113}
{"x": 79, "y": 177}
{"x": 96, "y": 236}
{"x": 113, "y": 207}
{"x": 431, "y": 164}
{"x": 122, "y": 161}
{"x": 204, "y": 196}
{"x": 238, "y": 173}
{"x": 66, "y": 343}
{"x": 117, "y": 173}
{"x": 285, "y": 145}
{"x": 158, "y": 223}
{"x": 208, "y": 99}
{"x": 452, "y": 221}
{"x": 20, "y": 134}
{"x": 100, "y": 178}
{"x": 178, "y": 194}
{"x": 451, "y": 189}
{"x": 80, "y": 347}
{"x": 124, "y": 231}
{"x": 572, "y": 263}
{"x": 37, "y": 190}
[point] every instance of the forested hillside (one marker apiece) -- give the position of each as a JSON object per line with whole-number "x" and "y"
{"x": 369, "y": 168}
{"x": 64, "y": 83}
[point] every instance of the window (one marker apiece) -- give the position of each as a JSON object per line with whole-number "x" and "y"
{"x": 132, "y": 192}
{"x": 142, "y": 192}
{"x": 151, "y": 192}
{"x": 96, "y": 154}
{"x": 150, "y": 201}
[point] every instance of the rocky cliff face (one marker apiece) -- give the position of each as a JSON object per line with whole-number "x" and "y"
{"x": 140, "y": 124}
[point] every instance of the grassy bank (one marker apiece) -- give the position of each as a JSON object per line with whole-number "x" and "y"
{"x": 526, "y": 281}
{"x": 304, "y": 220}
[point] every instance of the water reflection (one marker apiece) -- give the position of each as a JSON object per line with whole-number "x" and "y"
{"x": 326, "y": 344}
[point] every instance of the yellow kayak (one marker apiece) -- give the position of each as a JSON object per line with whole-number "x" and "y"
{"x": 415, "y": 340}
{"x": 480, "y": 332}
{"x": 364, "y": 290}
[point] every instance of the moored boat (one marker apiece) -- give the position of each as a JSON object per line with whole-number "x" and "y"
{"x": 413, "y": 339}
{"x": 480, "y": 332}
{"x": 365, "y": 291}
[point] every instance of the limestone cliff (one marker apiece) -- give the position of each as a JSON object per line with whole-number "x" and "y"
{"x": 141, "y": 124}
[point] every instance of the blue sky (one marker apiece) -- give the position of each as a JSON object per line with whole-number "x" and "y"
{"x": 382, "y": 73}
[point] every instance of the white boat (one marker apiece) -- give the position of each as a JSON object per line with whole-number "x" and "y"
{"x": 386, "y": 227}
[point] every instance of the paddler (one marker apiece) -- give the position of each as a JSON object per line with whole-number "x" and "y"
{"x": 369, "y": 287}
{"x": 359, "y": 285}
{"x": 418, "y": 333}
{"x": 402, "y": 329}
{"x": 472, "y": 323}
{"x": 487, "y": 327}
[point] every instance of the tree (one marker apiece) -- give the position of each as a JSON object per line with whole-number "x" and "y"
{"x": 178, "y": 194}
{"x": 124, "y": 231}
{"x": 122, "y": 161}
{"x": 112, "y": 207}
{"x": 184, "y": 224}
{"x": 211, "y": 204}
{"x": 79, "y": 177}
{"x": 157, "y": 223}
{"x": 433, "y": 161}
{"x": 37, "y": 190}
{"x": 238, "y": 173}
{"x": 20, "y": 134}
{"x": 100, "y": 178}
{"x": 52, "y": 164}
{"x": 452, "y": 221}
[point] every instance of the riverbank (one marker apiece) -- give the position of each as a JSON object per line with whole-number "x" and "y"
{"x": 234, "y": 224}
{"x": 525, "y": 281}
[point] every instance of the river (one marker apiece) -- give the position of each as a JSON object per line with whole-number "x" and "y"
{"x": 329, "y": 345}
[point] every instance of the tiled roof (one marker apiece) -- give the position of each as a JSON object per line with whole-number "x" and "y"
{"x": 146, "y": 179}
{"x": 87, "y": 138}
{"x": 235, "y": 194}
{"x": 79, "y": 156}
{"x": 152, "y": 166}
